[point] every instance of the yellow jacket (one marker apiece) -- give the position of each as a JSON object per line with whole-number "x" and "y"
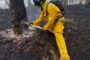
{"x": 50, "y": 13}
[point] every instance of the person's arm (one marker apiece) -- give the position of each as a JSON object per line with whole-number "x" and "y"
{"x": 39, "y": 19}
{"x": 53, "y": 13}
{"x": 49, "y": 23}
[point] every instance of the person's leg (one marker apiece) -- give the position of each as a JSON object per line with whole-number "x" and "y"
{"x": 61, "y": 46}
{"x": 58, "y": 32}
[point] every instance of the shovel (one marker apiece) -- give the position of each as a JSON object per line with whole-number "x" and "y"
{"x": 34, "y": 27}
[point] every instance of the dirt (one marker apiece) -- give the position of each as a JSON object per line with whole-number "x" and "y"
{"x": 28, "y": 48}
{"x": 77, "y": 34}
{"x": 37, "y": 46}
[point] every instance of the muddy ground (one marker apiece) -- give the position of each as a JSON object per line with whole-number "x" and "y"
{"x": 77, "y": 37}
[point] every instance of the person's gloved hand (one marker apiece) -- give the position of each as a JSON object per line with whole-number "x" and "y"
{"x": 31, "y": 23}
{"x": 31, "y": 27}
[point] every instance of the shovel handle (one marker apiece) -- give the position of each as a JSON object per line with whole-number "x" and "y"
{"x": 36, "y": 26}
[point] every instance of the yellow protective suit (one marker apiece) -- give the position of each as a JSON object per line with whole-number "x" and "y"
{"x": 54, "y": 27}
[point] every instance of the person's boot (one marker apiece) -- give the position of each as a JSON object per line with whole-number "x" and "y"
{"x": 65, "y": 56}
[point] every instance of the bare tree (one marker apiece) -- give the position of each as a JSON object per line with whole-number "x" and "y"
{"x": 17, "y": 13}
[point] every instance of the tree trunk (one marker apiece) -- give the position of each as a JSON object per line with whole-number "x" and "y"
{"x": 89, "y": 2}
{"x": 17, "y": 13}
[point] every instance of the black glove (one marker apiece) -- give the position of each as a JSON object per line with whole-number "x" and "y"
{"x": 31, "y": 23}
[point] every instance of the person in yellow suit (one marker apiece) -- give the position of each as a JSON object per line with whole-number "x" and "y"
{"x": 55, "y": 24}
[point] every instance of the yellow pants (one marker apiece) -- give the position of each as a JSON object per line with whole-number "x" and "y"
{"x": 58, "y": 32}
